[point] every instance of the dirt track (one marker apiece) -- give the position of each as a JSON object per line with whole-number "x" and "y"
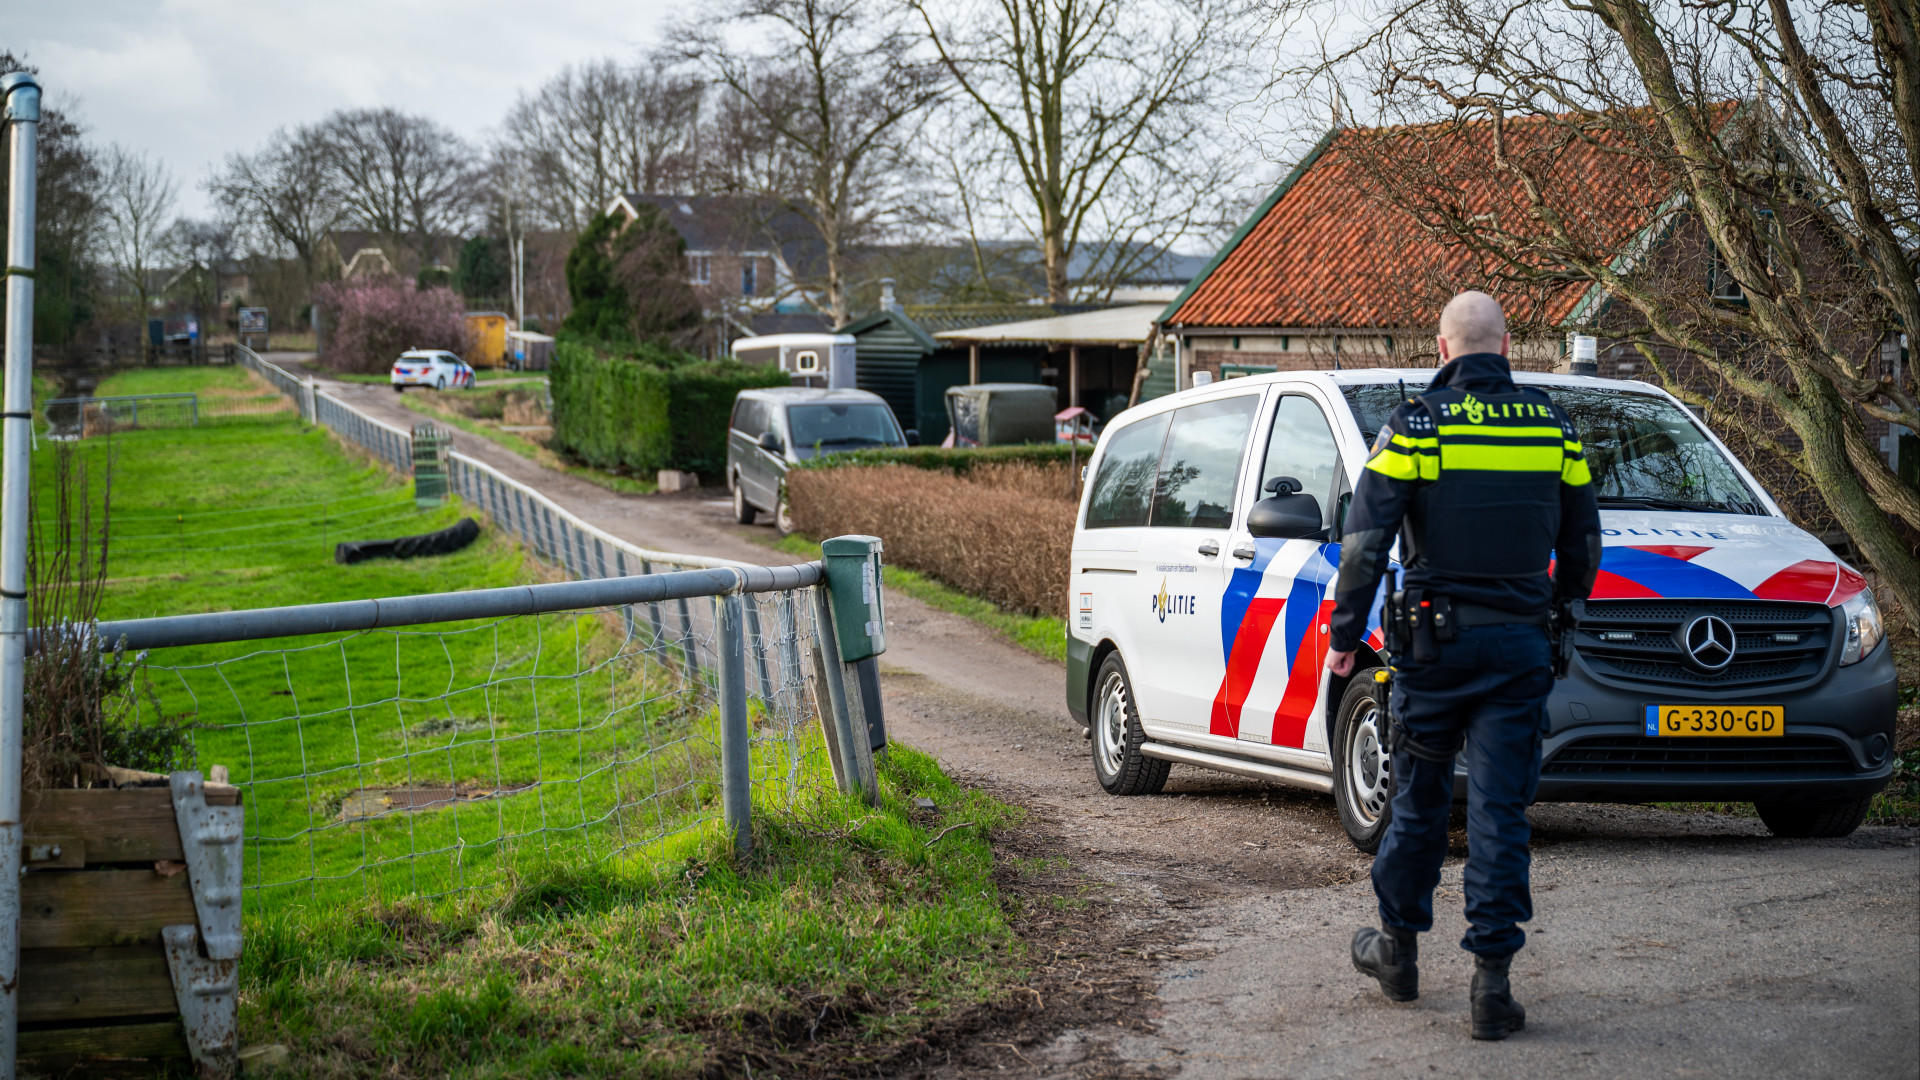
{"x": 1663, "y": 943}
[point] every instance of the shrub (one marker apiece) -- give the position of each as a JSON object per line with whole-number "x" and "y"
{"x": 655, "y": 409}
{"x": 608, "y": 412}
{"x": 701, "y": 406}
{"x": 1004, "y": 532}
{"x": 628, "y": 280}
{"x": 375, "y": 319}
{"x": 957, "y": 460}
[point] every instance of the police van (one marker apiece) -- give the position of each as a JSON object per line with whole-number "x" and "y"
{"x": 1725, "y": 654}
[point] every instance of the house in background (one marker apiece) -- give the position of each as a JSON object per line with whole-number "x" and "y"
{"x": 1324, "y": 275}
{"x": 746, "y": 259}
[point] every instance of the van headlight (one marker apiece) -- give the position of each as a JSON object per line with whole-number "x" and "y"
{"x": 1862, "y": 618}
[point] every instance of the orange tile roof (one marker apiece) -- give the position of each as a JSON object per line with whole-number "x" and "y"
{"x": 1329, "y": 250}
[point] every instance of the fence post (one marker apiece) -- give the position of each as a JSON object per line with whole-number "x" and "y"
{"x": 736, "y": 763}
{"x": 853, "y": 755}
{"x": 22, "y": 96}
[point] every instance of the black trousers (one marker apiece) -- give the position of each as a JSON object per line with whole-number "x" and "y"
{"x": 1485, "y": 696}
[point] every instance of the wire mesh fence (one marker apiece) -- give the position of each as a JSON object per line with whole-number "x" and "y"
{"x": 278, "y": 377}
{"x": 390, "y": 444}
{"x": 428, "y": 752}
{"x": 424, "y": 760}
{"x": 83, "y": 417}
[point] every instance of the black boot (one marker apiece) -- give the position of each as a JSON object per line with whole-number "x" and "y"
{"x": 1495, "y": 1014}
{"x": 1391, "y": 956}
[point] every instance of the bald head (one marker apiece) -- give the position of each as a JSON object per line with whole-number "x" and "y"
{"x": 1472, "y": 322}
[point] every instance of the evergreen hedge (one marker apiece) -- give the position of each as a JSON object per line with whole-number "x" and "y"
{"x": 654, "y": 409}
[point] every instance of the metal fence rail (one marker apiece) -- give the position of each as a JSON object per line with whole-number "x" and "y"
{"x": 390, "y": 444}
{"x": 421, "y": 746}
{"x": 300, "y": 390}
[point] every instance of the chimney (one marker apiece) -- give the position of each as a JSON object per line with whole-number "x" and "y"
{"x": 887, "y": 301}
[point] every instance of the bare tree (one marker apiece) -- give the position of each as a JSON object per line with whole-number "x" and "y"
{"x": 282, "y": 196}
{"x": 203, "y": 248}
{"x": 69, "y": 179}
{"x": 838, "y": 86}
{"x": 736, "y": 153}
{"x": 597, "y": 130}
{"x": 404, "y": 177}
{"x": 1779, "y": 149}
{"x": 136, "y": 208}
{"x": 1101, "y": 116}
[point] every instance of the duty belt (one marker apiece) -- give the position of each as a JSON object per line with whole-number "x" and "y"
{"x": 1465, "y": 614}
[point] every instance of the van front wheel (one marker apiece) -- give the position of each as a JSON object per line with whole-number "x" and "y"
{"x": 1362, "y": 780}
{"x": 1802, "y": 820}
{"x": 1117, "y": 736}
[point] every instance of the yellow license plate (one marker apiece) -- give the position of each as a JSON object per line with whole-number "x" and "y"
{"x": 1703, "y": 721}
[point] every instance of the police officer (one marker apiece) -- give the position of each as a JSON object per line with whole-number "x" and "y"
{"x": 1487, "y": 488}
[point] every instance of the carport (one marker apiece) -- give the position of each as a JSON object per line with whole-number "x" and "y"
{"x": 1102, "y": 347}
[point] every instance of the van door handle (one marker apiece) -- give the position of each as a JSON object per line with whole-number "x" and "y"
{"x": 1243, "y": 552}
{"x": 1209, "y": 549}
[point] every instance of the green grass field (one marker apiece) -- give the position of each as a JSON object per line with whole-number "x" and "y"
{"x": 602, "y": 925}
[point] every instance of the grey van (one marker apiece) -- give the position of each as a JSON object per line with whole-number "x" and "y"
{"x": 774, "y": 429}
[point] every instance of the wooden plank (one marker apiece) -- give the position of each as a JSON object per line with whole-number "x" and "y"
{"x": 74, "y": 908}
{"x": 128, "y": 825}
{"x": 95, "y": 984}
{"x": 165, "y": 1039}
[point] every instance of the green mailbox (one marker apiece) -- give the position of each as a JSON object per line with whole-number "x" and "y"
{"x": 853, "y": 587}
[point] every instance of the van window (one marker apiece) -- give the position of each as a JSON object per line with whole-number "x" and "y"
{"x": 1301, "y": 446}
{"x": 749, "y": 417}
{"x": 1125, "y": 479}
{"x": 1201, "y": 463}
{"x": 841, "y": 426}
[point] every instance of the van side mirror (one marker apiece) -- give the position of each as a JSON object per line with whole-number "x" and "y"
{"x": 1290, "y": 515}
{"x": 770, "y": 442}
{"x": 913, "y": 436}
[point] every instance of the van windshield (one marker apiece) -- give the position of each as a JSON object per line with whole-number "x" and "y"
{"x": 840, "y": 427}
{"x": 1644, "y": 451}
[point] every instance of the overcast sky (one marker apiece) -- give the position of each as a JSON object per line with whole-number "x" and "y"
{"x": 191, "y": 80}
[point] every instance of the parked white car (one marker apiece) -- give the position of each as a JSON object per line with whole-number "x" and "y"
{"x": 430, "y": 367}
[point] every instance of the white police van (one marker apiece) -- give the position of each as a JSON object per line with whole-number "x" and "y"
{"x": 1725, "y": 653}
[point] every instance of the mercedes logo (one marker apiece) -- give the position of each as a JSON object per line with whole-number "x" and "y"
{"x": 1709, "y": 642}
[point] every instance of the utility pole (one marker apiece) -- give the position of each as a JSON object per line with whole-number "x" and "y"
{"x": 22, "y": 115}
{"x": 516, "y": 257}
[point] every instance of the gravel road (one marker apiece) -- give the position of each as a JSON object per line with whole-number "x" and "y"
{"x": 1663, "y": 943}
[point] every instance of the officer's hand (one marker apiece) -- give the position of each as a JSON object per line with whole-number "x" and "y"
{"x": 1340, "y": 663}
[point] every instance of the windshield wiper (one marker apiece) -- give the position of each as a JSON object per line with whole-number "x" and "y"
{"x": 855, "y": 439}
{"x": 1654, "y": 502}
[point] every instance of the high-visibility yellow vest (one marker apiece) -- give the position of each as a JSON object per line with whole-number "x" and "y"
{"x": 1488, "y": 469}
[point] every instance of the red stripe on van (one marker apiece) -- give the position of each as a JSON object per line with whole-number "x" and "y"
{"x": 1243, "y": 663}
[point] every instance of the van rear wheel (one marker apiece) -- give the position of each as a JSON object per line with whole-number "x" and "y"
{"x": 1362, "y": 768}
{"x": 743, "y": 511}
{"x": 1117, "y": 736}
